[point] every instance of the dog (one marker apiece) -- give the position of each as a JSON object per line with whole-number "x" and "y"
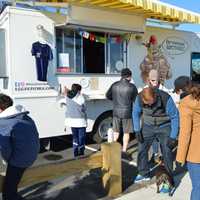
{"x": 162, "y": 176}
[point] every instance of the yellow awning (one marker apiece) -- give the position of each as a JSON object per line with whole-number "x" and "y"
{"x": 153, "y": 9}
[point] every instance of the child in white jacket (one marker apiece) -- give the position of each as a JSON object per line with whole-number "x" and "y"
{"x": 75, "y": 117}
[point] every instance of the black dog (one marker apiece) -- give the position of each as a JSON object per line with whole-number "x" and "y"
{"x": 162, "y": 176}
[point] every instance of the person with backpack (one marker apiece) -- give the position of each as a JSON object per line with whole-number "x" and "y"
{"x": 160, "y": 120}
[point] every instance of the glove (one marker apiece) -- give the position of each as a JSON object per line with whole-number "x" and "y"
{"x": 139, "y": 137}
{"x": 171, "y": 143}
{"x": 180, "y": 165}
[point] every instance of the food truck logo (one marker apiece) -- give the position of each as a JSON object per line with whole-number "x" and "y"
{"x": 24, "y": 86}
{"x": 174, "y": 46}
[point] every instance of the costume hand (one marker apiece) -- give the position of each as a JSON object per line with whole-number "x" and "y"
{"x": 139, "y": 137}
{"x": 171, "y": 143}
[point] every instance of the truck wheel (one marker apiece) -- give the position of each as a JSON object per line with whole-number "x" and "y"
{"x": 102, "y": 124}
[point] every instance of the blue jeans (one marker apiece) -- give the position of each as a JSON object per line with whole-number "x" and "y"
{"x": 150, "y": 134}
{"x": 79, "y": 135}
{"x": 155, "y": 147}
{"x": 194, "y": 171}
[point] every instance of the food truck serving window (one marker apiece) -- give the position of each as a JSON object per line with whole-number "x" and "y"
{"x": 81, "y": 51}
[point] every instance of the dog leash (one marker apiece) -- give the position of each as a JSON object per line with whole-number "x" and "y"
{"x": 160, "y": 162}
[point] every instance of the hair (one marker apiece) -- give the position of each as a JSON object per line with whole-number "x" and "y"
{"x": 148, "y": 94}
{"x": 182, "y": 83}
{"x": 195, "y": 90}
{"x": 126, "y": 72}
{"x": 74, "y": 90}
{"x": 5, "y": 101}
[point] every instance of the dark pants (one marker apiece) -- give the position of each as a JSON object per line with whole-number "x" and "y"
{"x": 155, "y": 147}
{"x": 151, "y": 133}
{"x": 12, "y": 179}
{"x": 78, "y": 140}
{"x": 194, "y": 171}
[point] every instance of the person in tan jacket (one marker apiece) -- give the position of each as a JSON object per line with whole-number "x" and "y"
{"x": 189, "y": 137}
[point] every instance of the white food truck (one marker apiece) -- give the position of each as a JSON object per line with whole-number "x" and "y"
{"x": 84, "y": 45}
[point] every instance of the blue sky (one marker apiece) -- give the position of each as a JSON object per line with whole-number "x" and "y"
{"x": 193, "y": 5}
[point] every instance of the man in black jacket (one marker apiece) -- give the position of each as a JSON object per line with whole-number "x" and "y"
{"x": 122, "y": 93}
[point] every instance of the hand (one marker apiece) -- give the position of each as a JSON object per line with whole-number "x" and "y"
{"x": 139, "y": 137}
{"x": 171, "y": 143}
{"x": 180, "y": 164}
{"x": 65, "y": 91}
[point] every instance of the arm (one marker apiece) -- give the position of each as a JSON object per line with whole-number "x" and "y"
{"x": 185, "y": 133}
{"x": 84, "y": 108}
{"x": 137, "y": 111}
{"x": 84, "y": 111}
{"x": 109, "y": 93}
{"x": 62, "y": 102}
{"x": 173, "y": 113}
{"x": 135, "y": 93}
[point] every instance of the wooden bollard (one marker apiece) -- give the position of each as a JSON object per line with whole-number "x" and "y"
{"x": 112, "y": 169}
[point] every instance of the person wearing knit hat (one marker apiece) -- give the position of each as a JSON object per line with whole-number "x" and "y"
{"x": 181, "y": 86}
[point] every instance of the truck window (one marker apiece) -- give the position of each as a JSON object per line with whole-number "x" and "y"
{"x": 94, "y": 55}
{"x": 195, "y": 66}
{"x": 68, "y": 45}
{"x": 3, "y": 71}
{"x": 117, "y": 51}
{"x": 90, "y": 52}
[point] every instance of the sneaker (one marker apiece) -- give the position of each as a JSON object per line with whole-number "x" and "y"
{"x": 140, "y": 178}
{"x": 165, "y": 189}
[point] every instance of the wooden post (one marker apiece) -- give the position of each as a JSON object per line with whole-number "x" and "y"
{"x": 57, "y": 169}
{"x": 112, "y": 173}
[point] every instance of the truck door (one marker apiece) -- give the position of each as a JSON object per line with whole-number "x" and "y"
{"x": 3, "y": 67}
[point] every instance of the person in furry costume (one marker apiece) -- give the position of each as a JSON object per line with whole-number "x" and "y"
{"x": 155, "y": 60}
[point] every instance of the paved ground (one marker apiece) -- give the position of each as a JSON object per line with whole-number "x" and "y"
{"x": 88, "y": 184}
{"x": 182, "y": 192}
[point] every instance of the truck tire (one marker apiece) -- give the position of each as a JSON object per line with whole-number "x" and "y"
{"x": 102, "y": 124}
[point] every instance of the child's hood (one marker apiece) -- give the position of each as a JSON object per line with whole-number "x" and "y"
{"x": 13, "y": 111}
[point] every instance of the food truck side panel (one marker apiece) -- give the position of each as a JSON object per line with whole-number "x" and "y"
{"x": 176, "y": 46}
{"x": 38, "y": 97}
{"x": 42, "y": 98}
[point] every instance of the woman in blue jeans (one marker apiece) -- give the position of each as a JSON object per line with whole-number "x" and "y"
{"x": 189, "y": 137}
